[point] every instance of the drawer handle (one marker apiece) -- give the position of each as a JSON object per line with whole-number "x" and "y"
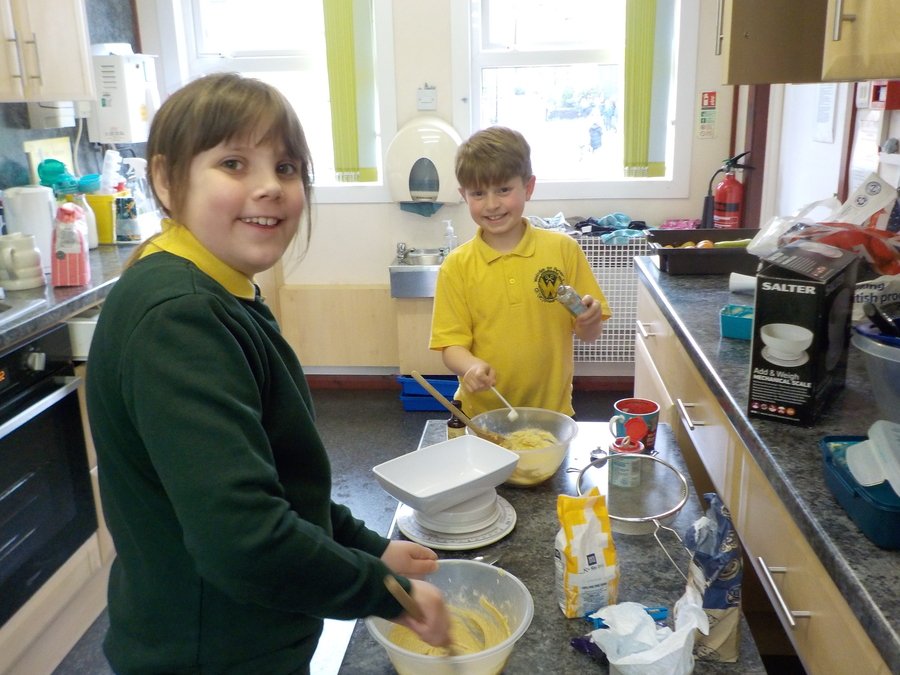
{"x": 685, "y": 415}
{"x": 643, "y": 331}
{"x": 786, "y": 611}
{"x": 839, "y": 18}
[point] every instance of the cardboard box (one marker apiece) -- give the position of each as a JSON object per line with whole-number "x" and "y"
{"x": 801, "y": 330}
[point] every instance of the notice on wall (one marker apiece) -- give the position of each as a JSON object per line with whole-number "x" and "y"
{"x": 706, "y": 121}
{"x": 864, "y": 151}
{"x": 824, "y": 131}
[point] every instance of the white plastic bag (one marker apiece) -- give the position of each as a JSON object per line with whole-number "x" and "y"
{"x": 766, "y": 240}
{"x": 635, "y": 645}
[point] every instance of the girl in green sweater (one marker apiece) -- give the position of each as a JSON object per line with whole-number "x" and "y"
{"x": 215, "y": 484}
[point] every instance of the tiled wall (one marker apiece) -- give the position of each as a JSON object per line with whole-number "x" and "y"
{"x": 108, "y": 21}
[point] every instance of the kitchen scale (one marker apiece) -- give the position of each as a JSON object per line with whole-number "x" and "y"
{"x": 480, "y": 521}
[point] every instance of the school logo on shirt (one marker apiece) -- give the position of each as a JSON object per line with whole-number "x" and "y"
{"x": 547, "y": 280}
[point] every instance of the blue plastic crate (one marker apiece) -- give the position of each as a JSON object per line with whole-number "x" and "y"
{"x": 414, "y": 397}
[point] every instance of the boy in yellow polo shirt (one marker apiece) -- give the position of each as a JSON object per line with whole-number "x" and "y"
{"x": 496, "y": 319}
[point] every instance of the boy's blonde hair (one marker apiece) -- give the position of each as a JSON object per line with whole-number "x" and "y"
{"x": 217, "y": 108}
{"x": 492, "y": 156}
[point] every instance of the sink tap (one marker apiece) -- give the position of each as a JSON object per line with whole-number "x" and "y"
{"x": 401, "y": 251}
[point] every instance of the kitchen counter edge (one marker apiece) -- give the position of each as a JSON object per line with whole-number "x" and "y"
{"x": 63, "y": 303}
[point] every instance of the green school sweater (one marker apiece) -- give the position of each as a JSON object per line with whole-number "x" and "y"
{"x": 215, "y": 485}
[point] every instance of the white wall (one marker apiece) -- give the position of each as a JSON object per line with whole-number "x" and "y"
{"x": 354, "y": 244}
{"x": 807, "y": 167}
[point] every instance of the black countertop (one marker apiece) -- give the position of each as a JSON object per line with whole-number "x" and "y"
{"x": 789, "y": 456}
{"x": 647, "y": 576}
{"x": 54, "y": 305}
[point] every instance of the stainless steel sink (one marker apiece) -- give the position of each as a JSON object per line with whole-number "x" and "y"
{"x": 413, "y": 281}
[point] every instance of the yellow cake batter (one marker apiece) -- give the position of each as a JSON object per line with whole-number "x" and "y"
{"x": 529, "y": 438}
{"x": 537, "y": 450}
{"x": 471, "y": 631}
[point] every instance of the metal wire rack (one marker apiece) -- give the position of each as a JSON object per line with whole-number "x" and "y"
{"x": 614, "y": 270}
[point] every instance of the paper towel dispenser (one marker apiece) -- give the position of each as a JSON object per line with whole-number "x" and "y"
{"x": 421, "y": 162}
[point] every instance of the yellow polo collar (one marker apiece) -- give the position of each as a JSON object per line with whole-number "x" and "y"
{"x": 178, "y": 240}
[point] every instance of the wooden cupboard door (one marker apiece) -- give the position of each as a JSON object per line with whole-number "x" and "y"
{"x": 769, "y": 41}
{"x": 868, "y": 47}
{"x": 826, "y": 635}
{"x": 54, "y": 47}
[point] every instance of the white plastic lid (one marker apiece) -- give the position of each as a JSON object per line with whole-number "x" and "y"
{"x": 877, "y": 460}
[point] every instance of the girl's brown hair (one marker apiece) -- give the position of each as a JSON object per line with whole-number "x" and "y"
{"x": 215, "y": 109}
{"x": 492, "y": 156}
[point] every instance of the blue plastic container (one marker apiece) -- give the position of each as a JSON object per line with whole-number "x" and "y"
{"x": 874, "y": 509}
{"x": 736, "y": 321}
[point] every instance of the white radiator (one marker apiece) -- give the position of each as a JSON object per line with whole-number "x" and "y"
{"x": 614, "y": 270}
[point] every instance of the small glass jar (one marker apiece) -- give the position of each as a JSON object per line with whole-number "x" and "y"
{"x": 455, "y": 426}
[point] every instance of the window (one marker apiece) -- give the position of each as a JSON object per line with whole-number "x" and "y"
{"x": 602, "y": 89}
{"x": 323, "y": 56}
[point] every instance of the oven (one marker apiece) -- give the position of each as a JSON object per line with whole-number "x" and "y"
{"x": 46, "y": 501}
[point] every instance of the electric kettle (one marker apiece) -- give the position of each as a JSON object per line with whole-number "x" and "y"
{"x": 29, "y": 209}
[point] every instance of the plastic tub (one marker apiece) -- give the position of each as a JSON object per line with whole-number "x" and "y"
{"x": 883, "y": 364}
{"x": 464, "y": 583}
{"x": 538, "y": 464}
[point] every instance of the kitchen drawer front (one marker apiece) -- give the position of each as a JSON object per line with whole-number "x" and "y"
{"x": 826, "y": 635}
{"x": 654, "y": 330}
{"x": 648, "y": 383}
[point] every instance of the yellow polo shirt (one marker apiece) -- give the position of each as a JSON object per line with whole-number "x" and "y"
{"x": 502, "y": 308}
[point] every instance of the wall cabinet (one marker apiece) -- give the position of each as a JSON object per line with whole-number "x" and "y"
{"x": 807, "y": 602}
{"x": 770, "y": 41}
{"x": 862, "y": 40}
{"x": 45, "y": 55}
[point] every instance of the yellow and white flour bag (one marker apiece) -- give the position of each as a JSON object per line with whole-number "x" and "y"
{"x": 587, "y": 574}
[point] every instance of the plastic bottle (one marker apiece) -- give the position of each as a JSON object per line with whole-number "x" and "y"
{"x": 70, "y": 265}
{"x": 450, "y": 238}
{"x": 127, "y": 229}
{"x": 569, "y": 298}
{"x": 110, "y": 177}
{"x": 455, "y": 426}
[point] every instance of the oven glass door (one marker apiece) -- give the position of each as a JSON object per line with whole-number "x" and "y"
{"x": 46, "y": 501}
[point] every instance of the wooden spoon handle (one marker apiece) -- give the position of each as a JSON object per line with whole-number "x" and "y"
{"x": 405, "y": 599}
{"x": 480, "y": 431}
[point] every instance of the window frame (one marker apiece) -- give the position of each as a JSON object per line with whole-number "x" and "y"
{"x": 164, "y": 33}
{"x": 465, "y": 69}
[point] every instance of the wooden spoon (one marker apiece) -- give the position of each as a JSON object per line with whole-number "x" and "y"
{"x": 412, "y": 608}
{"x": 477, "y": 430}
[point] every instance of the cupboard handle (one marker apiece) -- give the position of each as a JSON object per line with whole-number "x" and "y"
{"x": 789, "y": 614}
{"x": 17, "y": 50}
{"x": 685, "y": 416}
{"x": 37, "y": 60}
{"x": 720, "y": 25}
{"x": 642, "y": 331}
{"x": 838, "y": 21}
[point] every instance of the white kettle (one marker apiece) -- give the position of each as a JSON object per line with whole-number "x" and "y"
{"x": 29, "y": 209}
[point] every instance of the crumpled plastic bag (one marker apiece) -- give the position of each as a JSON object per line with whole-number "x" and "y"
{"x": 635, "y": 645}
{"x": 767, "y": 240}
{"x": 716, "y": 572}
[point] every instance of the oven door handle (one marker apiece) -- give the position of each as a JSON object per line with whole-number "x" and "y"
{"x": 66, "y": 386}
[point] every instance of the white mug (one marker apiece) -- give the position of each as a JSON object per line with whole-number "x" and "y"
{"x": 20, "y": 262}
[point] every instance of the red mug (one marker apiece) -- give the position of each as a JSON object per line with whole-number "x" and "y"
{"x": 628, "y": 408}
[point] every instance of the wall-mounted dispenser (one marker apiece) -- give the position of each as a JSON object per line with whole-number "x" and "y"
{"x": 421, "y": 162}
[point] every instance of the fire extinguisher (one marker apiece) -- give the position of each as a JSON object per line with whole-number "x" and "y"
{"x": 724, "y": 207}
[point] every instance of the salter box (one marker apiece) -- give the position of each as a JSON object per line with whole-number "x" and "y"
{"x": 801, "y": 329}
